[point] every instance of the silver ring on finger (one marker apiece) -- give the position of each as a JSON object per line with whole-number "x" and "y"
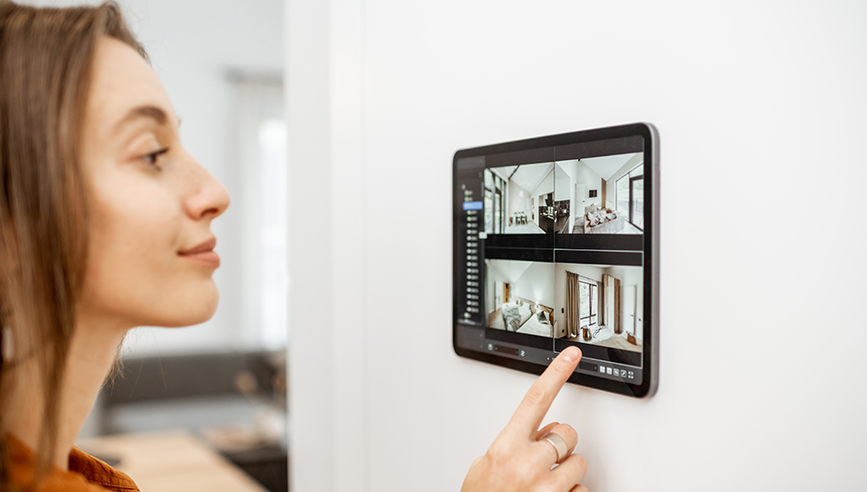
{"x": 559, "y": 444}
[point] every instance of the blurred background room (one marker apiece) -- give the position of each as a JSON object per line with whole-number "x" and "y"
{"x": 188, "y": 402}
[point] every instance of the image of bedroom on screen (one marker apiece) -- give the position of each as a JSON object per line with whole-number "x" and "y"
{"x": 519, "y": 296}
{"x": 519, "y": 199}
{"x": 600, "y": 304}
{"x": 600, "y": 195}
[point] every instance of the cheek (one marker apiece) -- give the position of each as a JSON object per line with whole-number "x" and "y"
{"x": 134, "y": 232}
{"x": 134, "y": 273}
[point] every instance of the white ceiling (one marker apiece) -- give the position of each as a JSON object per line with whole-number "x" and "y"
{"x": 528, "y": 176}
{"x": 504, "y": 172}
{"x": 606, "y": 166}
{"x": 511, "y": 270}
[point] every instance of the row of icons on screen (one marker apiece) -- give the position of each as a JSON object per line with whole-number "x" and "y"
{"x": 613, "y": 371}
{"x": 610, "y": 371}
{"x": 473, "y": 208}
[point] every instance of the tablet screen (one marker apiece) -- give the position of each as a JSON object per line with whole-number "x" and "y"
{"x": 554, "y": 246}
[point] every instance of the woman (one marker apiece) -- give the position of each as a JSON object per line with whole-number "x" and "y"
{"x": 105, "y": 225}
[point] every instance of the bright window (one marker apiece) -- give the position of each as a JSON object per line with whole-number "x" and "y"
{"x": 264, "y": 206}
{"x": 588, "y": 303}
{"x": 629, "y": 196}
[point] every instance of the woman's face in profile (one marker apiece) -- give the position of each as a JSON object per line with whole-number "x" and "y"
{"x": 150, "y": 256}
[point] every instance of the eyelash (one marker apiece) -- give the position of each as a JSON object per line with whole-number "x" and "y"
{"x": 151, "y": 159}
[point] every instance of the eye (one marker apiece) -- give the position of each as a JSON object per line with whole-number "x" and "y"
{"x": 152, "y": 158}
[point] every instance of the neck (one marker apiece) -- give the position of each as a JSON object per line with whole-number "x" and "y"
{"x": 92, "y": 353}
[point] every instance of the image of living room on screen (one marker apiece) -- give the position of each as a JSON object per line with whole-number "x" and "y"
{"x": 599, "y": 305}
{"x": 600, "y": 195}
{"x": 519, "y": 199}
{"x": 519, "y": 296}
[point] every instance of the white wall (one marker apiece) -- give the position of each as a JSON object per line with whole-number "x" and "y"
{"x": 765, "y": 90}
{"x": 519, "y": 200}
{"x": 494, "y": 279}
{"x": 630, "y": 278}
{"x": 562, "y": 183}
{"x": 545, "y": 186}
{"x": 585, "y": 175}
{"x": 536, "y": 284}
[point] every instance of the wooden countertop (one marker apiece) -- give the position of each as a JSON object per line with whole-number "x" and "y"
{"x": 171, "y": 461}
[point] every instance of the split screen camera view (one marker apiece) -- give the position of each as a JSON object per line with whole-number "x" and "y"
{"x": 598, "y": 195}
{"x": 597, "y": 304}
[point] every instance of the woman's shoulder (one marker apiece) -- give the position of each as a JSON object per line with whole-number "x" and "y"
{"x": 86, "y": 473}
{"x": 99, "y": 472}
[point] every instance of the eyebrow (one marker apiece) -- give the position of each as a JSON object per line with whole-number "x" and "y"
{"x": 152, "y": 112}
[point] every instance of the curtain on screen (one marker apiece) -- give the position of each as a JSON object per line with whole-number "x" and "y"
{"x": 572, "y": 300}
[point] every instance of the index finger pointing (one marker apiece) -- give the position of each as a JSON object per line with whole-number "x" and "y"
{"x": 538, "y": 399}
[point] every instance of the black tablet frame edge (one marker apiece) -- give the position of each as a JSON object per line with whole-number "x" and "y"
{"x": 650, "y": 364}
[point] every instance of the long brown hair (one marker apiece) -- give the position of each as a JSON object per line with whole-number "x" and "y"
{"x": 46, "y": 58}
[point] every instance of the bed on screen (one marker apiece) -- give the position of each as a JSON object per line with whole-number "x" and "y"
{"x": 523, "y": 316}
{"x": 603, "y": 336}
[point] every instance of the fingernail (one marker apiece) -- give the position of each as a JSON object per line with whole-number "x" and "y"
{"x": 570, "y": 354}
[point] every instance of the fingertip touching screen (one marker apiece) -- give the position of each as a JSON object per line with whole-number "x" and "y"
{"x": 555, "y": 244}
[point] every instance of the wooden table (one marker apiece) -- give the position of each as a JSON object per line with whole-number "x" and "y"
{"x": 171, "y": 461}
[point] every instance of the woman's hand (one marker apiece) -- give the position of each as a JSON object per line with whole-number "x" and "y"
{"x": 520, "y": 459}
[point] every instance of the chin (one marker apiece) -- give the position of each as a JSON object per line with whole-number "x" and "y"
{"x": 195, "y": 318}
{"x": 189, "y": 311}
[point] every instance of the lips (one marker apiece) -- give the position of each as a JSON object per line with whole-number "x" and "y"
{"x": 203, "y": 253}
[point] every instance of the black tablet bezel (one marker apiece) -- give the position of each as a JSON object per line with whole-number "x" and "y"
{"x": 650, "y": 353}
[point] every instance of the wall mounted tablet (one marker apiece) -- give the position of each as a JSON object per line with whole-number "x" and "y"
{"x": 556, "y": 244}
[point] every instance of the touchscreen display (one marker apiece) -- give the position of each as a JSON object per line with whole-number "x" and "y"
{"x": 552, "y": 249}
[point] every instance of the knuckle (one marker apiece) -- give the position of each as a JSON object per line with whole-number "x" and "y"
{"x": 578, "y": 468}
{"x": 547, "y": 428}
{"x": 569, "y": 432}
{"x": 527, "y": 473}
{"x": 498, "y": 452}
{"x": 504, "y": 461}
{"x": 524, "y": 470}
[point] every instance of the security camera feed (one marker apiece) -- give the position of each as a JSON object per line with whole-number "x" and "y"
{"x": 550, "y": 245}
{"x": 520, "y": 199}
{"x": 520, "y": 297}
{"x": 592, "y": 195}
{"x": 587, "y": 304}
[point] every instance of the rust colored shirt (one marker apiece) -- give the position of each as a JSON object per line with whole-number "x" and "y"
{"x": 86, "y": 473}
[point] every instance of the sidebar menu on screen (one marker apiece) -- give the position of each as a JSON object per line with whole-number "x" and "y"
{"x": 469, "y": 206}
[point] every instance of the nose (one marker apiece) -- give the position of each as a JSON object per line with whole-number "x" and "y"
{"x": 210, "y": 199}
